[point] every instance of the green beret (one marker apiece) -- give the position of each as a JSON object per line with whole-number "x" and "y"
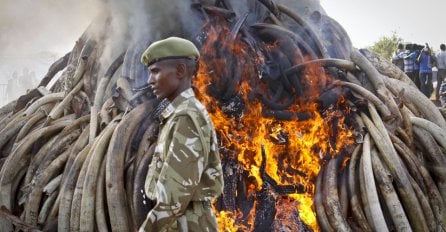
{"x": 170, "y": 48}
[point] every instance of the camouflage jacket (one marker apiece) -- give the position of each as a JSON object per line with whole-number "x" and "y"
{"x": 186, "y": 164}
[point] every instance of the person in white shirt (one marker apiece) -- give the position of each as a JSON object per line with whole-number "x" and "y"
{"x": 441, "y": 65}
{"x": 398, "y": 57}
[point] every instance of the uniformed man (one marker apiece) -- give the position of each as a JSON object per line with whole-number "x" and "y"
{"x": 185, "y": 174}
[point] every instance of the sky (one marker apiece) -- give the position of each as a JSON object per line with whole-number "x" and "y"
{"x": 367, "y": 21}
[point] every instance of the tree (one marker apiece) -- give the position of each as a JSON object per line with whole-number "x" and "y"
{"x": 386, "y": 45}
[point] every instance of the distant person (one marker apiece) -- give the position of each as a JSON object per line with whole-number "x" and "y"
{"x": 441, "y": 66}
{"x": 26, "y": 81}
{"x": 12, "y": 87}
{"x": 442, "y": 94}
{"x": 411, "y": 66}
{"x": 409, "y": 60}
{"x": 416, "y": 65}
{"x": 398, "y": 57}
{"x": 425, "y": 60}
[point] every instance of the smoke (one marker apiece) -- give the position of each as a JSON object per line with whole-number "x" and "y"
{"x": 34, "y": 34}
{"x": 134, "y": 24}
{"x": 127, "y": 27}
{"x": 29, "y": 27}
{"x": 33, "y": 26}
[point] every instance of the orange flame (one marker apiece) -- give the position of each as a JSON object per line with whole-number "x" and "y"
{"x": 294, "y": 148}
{"x": 227, "y": 222}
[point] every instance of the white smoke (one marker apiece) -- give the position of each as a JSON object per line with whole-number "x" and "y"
{"x": 34, "y": 34}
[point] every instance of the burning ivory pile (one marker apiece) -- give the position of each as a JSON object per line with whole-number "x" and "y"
{"x": 314, "y": 134}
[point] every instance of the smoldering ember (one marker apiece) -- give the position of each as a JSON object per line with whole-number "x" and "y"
{"x": 314, "y": 134}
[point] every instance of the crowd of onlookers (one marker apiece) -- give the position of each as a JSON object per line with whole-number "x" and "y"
{"x": 417, "y": 61}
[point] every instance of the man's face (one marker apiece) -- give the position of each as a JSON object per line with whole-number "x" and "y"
{"x": 164, "y": 80}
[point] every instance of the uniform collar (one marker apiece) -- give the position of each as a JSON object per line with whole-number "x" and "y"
{"x": 183, "y": 96}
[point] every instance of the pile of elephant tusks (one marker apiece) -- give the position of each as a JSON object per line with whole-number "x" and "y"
{"x": 74, "y": 156}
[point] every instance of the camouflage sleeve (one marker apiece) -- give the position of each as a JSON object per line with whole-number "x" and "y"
{"x": 179, "y": 176}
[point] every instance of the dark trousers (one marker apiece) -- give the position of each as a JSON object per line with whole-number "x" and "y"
{"x": 441, "y": 74}
{"x": 414, "y": 77}
{"x": 426, "y": 84}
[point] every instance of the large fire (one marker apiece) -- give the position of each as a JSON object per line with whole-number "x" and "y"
{"x": 294, "y": 149}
